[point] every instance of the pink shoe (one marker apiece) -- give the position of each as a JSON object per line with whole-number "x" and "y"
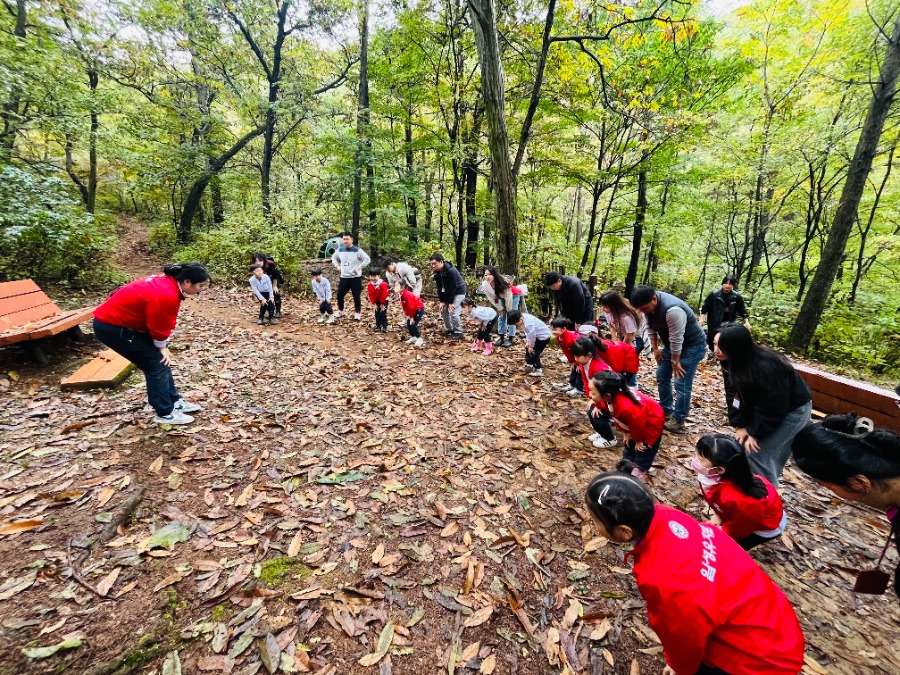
{"x": 488, "y": 348}
{"x": 476, "y": 346}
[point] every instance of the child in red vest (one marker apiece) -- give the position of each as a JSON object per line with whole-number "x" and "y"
{"x": 565, "y": 338}
{"x": 638, "y": 416}
{"x": 714, "y": 610}
{"x": 587, "y": 361}
{"x": 378, "y": 295}
{"x": 747, "y": 507}
{"x": 414, "y": 310}
{"x": 619, "y": 356}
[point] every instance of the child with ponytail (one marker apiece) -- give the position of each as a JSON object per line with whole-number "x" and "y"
{"x": 747, "y": 507}
{"x": 619, "y": 356}
{"x": 714, "y": 610}
{"x": 565, "y": 338}
{"x": 587, "y": 361}
{"x": 638, "y": 416}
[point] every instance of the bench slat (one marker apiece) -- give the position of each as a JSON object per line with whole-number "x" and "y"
{"x": 107, "y": 370}
{"x": 860, "y": 394}
{"x": 28, "y": 318}
{"x": 838, "y": 406}
{"x": 46, "y": 327}
{"x": 10, "y": 289}
{"x": 19, "y": 303}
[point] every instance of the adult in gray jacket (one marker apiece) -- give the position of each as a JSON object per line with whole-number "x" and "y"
{"x": 402, "y": 273}
{"x": 451, "y": 291}
{"x": 672, "y": 324}
{"x": 350, "y": 260}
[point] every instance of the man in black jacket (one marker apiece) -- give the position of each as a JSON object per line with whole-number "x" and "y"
{"x": 451, "y": 290}
{"x": 572, "y": 296}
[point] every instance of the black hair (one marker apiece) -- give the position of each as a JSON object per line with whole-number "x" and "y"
{"x": 588, "y": 345}
{"x": 619, "y": 307}
{"x": 374, "y": 272}
{"x": 841, "y": 447}
{"x": 750, "y": 363}
{"x": 255, "y": 266}
{"x": 345, "y": 233}
{"x": 514, "y": 317}
{"x": 315, "y": 273}
{"x": 386, "y": 262}
{"x": 467, "y": 302}
{"x": 641, "y": 295}
{"x": 437, "y": 256}
{"x": 500, "y": 282}
{"x": 551, "y": 278}
{"x": 608, "y": 382}
{"x": 616, "y": 498}
{"x": 730, "y": 279}
{"x": 192, "y": 271}
{"x": 560, "y": 322}
{"x": 259, "y": 255}
{"x": 725, "y": 452}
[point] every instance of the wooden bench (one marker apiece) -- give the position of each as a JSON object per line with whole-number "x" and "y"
{"x": 28, "y": 315}
{"x": 107, "y": 370}
{"x": 834, "y": 394}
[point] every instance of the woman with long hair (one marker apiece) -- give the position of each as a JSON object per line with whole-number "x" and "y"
{"x": 501, "y": 296}
{"x": 771, "y": 401}
{"x": 626, "y": 324}
{"x": 136, "y": 322}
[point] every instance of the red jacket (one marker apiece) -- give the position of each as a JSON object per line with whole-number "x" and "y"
{"x": 741, "y": 514}
{"x": 147, "y": 305}
{"x": 410, "y": 302}
{"x": 593, "y": 367}
{"x": 621, "y": 357}
{"x": 565, "y": 342}
{"x": 378, "y": 295}
{"x": 709, "y": 602}
{"x": 644, "y": 423}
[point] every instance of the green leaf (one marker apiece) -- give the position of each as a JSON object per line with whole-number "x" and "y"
{"x": 44, "y": 652}
{"x": 166, "y": 537}
{"x": 340, "y": 478}
{"x": 172, "y": 664}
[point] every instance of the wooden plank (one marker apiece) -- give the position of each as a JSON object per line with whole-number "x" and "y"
{"x": 107, "y": 370}
{"x": 838, "y": 406}
{"x": 861, "y": 394}
{"x": 61, "y": 323}
{"x": 28, "y": 316}
{"x": 20, "y": 303}
{"x": 9, "y": 289}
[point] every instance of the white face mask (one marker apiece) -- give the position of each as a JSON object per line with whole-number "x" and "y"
{"x": 707, "y": 482}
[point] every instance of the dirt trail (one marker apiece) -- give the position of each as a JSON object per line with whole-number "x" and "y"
{"x": 348, "y": 486}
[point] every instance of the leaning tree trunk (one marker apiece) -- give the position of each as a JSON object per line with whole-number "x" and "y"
{"x": 639, "y": 217}
{"x": 487, "y": 42}
{"x": 848, "y": 207}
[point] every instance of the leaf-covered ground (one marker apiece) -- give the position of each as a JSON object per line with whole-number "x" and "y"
{"x": 348, "y": 504}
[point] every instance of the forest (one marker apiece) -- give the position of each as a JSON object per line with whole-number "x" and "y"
{"x": 648, "y": 141}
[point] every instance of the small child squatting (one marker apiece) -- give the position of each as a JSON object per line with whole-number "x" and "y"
{"x": 261, "y": 286}
{"x": 537, "y": 337}
{"x": 378, "y": 293}
{"x": 322, "y": 288}
{"x": 413, "y": 309}
{"x": 486, "y": 319}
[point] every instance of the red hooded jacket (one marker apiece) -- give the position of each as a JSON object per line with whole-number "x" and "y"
{"x": 587, "y": 371}
{"x": 644, "y": 423}
{"x": 741, "y": 514}
{"x": 410, "y": 302}
{"x": 565, "y": 342}
{"x": 378, "y": 295}
{"x": 147, "y": 305}
{"x": 709, "y": 602}
{"x": 621, "y": 357}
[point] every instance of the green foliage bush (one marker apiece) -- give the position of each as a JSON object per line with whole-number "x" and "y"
{"x": 162, "y": 240}
{"x": 46, "y": 235}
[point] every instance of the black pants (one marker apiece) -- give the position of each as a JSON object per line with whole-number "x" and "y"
{"x": 354, "y": 285}
{"x": 730, "y": 392}
{"x": 753, "y": 540}
{"x": 266, "y": 307}
{"x": 140, "y": 350}
{"x": 575, "y": 380}
{"x": 325, "y": 307}
{"x": 412, "y": 325}
{"x": 485, "y": 332}
{"x": 642, "y": 459}
{"x": 381, "y": 316}
{"x": 710, "y": 670}
{"x": 277, "y": 301}
{"x": 534, "y": 358}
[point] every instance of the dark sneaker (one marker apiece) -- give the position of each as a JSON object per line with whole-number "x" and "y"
{"x": 260, "y": 322}
{"x": 272, "y": 322}
{"x": 456, "y": 336}
{"x": 674, "y": 425}
{"x": 506, "y": 343}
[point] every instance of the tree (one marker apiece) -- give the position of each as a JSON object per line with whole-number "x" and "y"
{"x": 848, "y": 209}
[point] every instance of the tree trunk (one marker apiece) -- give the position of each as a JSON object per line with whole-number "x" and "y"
{"x": 362, "y": 116}
{"x": 639, "y": 218}
{"x": 11, "y": 113}
{"x": 493, "y": 94}
{"x": 864, "y": 231}
{"x": 93, "y": 81}
{"x": 411, "y": 205}
{"x": 470, "y": 179}
{"x": 848, "y": 207}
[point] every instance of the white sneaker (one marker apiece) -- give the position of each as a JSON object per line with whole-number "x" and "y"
{"x": 330, "y": 319}
{"x": 410, "y": 341}
{"x": 573, "y": 392}
{"x": 338, "y": 315}
{"x": 175, "y": 417}
{"x": 562, "y": 386}
{"x": 357, "y": 316}
{"x": 322, "y": 318}
{"x": 594, "y": 437}
{"x": 526, "y": 368}
{"x": 186, "y": 406}
{"x": 537, "y": 372}
{"x": 420, "y": 342}
{"x": 603, "y": 443}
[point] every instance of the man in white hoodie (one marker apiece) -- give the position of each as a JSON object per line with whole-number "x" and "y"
{"x": 349, "y": 260}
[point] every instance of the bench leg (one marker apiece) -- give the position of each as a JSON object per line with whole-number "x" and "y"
{"x": 76, "y": 334}
{"x": 36, "y": 353}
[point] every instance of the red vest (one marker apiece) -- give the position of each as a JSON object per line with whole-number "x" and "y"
{"x": 410, "y": 302}
{"x": 621, "y": 357}
{"x": 644, "y": 423}
{"x": 147, "y": 305}
{"x": 741, "y": 514}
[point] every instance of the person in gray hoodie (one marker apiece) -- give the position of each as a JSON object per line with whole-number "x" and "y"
{"x": 350, "y": 260}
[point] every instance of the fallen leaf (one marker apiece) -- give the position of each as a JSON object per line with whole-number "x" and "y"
{"x": 156, "y": 465}
{"x": 21, "y": 526}
{"x": 479, "y": 617}
{"x": 107, "y": 582}
{"x": 45, "y": 652}
{"x": 382, "y": 646}
{"x": 166, "y": 537}
{"x": 172, "y": 664}
{"x": 14, "y": 586}
{"x": 296, "y": 543}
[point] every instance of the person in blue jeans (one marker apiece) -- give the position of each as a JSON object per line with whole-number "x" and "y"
{"x": 679, "y": 345}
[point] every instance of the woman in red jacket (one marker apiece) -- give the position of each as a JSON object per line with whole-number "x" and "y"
{"x": 638, "y": 416}
{"x": 136, "y": 322}
{"x": 747, "y": 507}
{"x": 714, "y": 610}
